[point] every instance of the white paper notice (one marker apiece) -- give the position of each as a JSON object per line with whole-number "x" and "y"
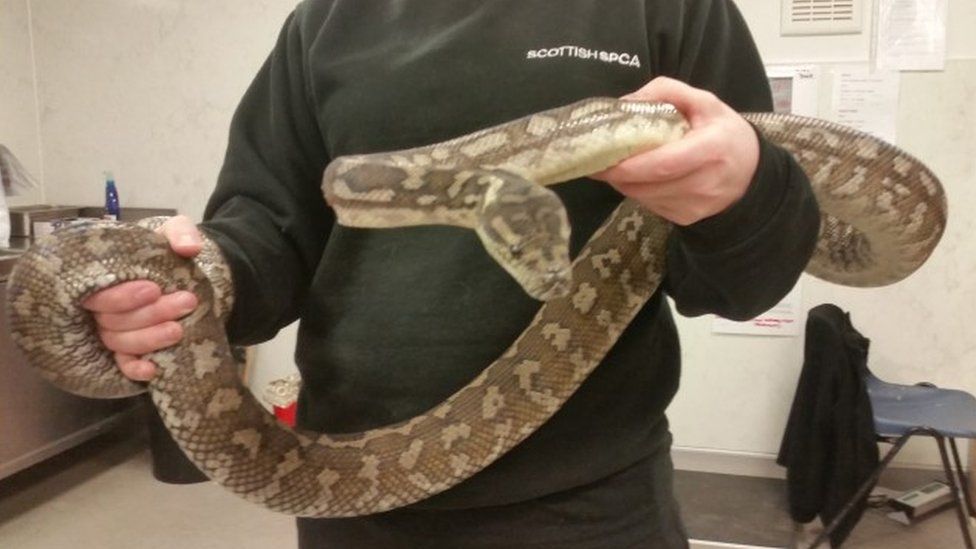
{"x": 867, "y": 101}
{"x": 911, "y": 35}
{"x": 782, "y": 320}
{"x": 795, "y": 88}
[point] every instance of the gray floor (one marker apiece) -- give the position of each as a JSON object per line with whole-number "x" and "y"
{"x": 102, "y": 495}
{"x": 752, "y": 511}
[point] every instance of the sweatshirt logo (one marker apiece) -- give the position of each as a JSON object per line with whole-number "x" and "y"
{"x": 579, "y": 52}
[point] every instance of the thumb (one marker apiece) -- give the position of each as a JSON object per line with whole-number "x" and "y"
{"x": 183, "y": 235}
{"x": 691, "y": 101}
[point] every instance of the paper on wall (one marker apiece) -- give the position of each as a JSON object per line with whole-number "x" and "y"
{"x": 784, "y": 319}
{"x": 911, "y": 35}
{"x": 866, "y": 100}
{"x": 795, "y": 88}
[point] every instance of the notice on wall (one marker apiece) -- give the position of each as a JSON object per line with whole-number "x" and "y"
{"x": 795, "y": 88}
{"x": 911, "y": 35}
{"x": 784, "y": 319}
{"x": 866, "y": 100}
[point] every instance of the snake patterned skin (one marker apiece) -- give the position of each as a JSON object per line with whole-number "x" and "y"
{"x": 884, "y": 213}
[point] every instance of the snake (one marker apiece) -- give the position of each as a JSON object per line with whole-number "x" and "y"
{"x": 883, "y": 212}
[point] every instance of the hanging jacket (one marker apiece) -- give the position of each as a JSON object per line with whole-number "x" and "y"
{"x": 829, "y": 447}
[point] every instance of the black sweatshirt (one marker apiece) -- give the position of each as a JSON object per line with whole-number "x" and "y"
{"x": 395, "y": 320}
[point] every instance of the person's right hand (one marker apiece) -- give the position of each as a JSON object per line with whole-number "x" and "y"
{"x": 135, "y": 318}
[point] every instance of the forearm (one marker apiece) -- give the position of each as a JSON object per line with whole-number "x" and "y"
{"x": 742, "y": 261}
{"x": 267, "y": 213}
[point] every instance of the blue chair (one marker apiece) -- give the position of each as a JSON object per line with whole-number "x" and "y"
{"x": 903, "y": 411}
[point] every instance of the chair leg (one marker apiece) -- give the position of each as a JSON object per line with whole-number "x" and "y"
{"x": 963, "y": 480}
{"x": 951, "y": 477}
{"x": 863, "y": 491}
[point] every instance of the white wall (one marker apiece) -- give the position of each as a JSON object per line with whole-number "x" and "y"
{"x": 147, "y": 88}
{"x": 18, "y": 109}
{"x": 736, "y": 391}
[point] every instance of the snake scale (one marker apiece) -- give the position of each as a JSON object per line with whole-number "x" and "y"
{"x": 883, "y": 213}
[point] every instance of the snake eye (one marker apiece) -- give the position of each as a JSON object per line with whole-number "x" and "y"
{"x": 515, "y": 250}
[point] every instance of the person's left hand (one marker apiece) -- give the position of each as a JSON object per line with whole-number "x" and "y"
{"x": 699, "y": 175}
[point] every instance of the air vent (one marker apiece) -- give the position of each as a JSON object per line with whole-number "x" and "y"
{"x": 805, "y": 17}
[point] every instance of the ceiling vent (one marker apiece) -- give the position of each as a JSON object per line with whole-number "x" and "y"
{"x": 810, "y": 17}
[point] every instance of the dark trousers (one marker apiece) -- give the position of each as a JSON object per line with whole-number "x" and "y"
{"x": 633, "y": 508}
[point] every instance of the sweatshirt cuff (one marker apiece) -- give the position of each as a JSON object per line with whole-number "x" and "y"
{"x": 745, "y": 217}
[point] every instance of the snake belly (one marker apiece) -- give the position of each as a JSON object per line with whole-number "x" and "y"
{"x": 883, "y": 214}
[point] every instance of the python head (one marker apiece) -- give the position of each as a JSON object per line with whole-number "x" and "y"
{"x": 525, "y": 229}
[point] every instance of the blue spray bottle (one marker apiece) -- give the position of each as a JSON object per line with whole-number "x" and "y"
{"x": 112, "y": 210}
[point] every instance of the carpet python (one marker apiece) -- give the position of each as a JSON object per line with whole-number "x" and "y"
{"x": 883, "y": 213}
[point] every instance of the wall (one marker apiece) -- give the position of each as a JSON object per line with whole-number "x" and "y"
{"x": 146, "y": 88}
{"x": 736, "y": 391}
{"x": 18, "y": 108}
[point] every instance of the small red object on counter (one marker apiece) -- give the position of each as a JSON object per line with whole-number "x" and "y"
{"x": 286, "y": 414}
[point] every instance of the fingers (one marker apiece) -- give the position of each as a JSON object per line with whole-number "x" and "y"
{"x": 183, "y": 235}
{"x": 142, "y": 341}
{"x": 699, "y": 147}
{"x": 127, "y": 296}
{"x": 167, "y": 307}
{"x": 135, "y": 368}
{"x": 683, "y": 201}
{"x": 668, "y": 162}
{"x": 699, "y": 175}
{"x": 185, "y": 239}
{"x": 692, "y": 102}
{"x": 135, "y": 318}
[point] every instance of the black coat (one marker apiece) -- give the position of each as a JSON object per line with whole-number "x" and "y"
{"x": 829, "y": 447}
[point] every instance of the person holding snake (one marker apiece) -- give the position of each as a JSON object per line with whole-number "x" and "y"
{"x": 394, "y": 321}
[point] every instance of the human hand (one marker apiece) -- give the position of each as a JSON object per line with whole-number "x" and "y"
{"x": 698, "y": 176}
{"x": 135, "y": 318}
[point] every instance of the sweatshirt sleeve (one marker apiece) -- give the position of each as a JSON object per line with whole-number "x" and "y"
{"x": 740, "y": 262}
{"x": 267, "y": 213}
